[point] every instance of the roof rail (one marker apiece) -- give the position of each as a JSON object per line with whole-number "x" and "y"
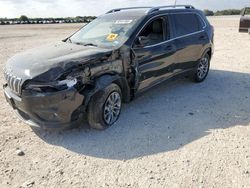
{"x": 170, "y": 6}
{"x": 129, "y": 8}
{"x": 151, "y": 9}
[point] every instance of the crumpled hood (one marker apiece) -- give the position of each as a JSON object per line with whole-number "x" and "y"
{"x": 59, "y": 57}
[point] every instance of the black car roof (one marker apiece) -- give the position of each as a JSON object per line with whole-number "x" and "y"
{"x": 143, "y": 11}
{"x": 140, "y": 12}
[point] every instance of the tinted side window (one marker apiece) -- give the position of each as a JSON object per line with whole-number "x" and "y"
{"x": 186, "y": 24}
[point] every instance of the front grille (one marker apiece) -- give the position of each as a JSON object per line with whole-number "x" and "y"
{"x": 14, "y": 83}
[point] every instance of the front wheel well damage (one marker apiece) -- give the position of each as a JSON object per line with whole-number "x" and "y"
{"x": 122, "y": 83}
{"x": 104, "y": 81}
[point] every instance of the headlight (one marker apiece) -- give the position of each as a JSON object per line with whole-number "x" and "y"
{"x": 51, "y": 86}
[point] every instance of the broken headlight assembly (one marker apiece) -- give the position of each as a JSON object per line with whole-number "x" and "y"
{"x": 75, "y": 79}
{"x": 51, "y": 86}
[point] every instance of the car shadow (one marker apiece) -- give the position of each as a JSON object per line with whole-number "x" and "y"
{"x": 165, "y": 118}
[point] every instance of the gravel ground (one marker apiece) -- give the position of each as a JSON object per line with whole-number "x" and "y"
{"x": 178, "y": 134}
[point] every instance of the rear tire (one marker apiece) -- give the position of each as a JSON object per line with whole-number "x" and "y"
{"x": 105, "y": 107}
{"x": 202, "y": 69}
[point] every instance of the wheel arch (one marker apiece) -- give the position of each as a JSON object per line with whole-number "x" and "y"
{"x": 207, "y": 50}
{"x": 105, "y": 80}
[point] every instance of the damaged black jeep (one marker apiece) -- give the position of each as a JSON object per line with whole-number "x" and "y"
{"x": 107, "y": 62}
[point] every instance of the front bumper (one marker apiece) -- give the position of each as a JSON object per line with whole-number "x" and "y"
{"x": 47, "y": 110}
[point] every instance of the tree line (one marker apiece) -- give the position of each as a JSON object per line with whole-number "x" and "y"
{"x": 223, "y": 12}
{"x": 25, "y": 20}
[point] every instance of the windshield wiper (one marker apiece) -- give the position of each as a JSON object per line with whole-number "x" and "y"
{"x": 86, "y": 44}
{"x": 90, "y": 44}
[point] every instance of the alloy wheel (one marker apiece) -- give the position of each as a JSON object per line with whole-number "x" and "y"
{"x": 203, "y": 68}
{"x": 112, "y": 108}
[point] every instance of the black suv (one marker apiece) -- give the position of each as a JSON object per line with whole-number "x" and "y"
{"x": 107, "y": 62}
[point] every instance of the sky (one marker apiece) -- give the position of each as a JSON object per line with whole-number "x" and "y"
{"x": 68, "y": 8}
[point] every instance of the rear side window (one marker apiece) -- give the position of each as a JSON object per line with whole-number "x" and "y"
{"x": 186, "y": 24}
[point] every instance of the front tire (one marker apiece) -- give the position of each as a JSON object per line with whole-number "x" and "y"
{"x": 105, "y": 107}
{"x": 202, "y": 69}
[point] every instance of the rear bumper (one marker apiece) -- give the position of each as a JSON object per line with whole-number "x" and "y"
{"x": 47, "y": 110}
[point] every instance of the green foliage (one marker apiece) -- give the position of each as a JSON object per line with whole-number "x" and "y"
{"x": 228, "y": 12}
{"x": 208, "y": 12}
{"x": 223, "y": 12}
{"x": 24, "y": 18}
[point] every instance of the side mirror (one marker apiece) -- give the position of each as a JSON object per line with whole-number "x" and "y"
{"x": 143, "y": 41}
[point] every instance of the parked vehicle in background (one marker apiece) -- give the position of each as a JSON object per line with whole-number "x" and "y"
{"x": 245, "y": 20}
{"x": 107, "y": 62}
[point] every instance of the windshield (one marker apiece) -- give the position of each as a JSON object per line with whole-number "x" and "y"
{"x": 108, "y": 31}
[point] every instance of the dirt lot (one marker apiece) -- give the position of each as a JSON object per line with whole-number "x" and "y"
{"x": 179, "y": 134}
